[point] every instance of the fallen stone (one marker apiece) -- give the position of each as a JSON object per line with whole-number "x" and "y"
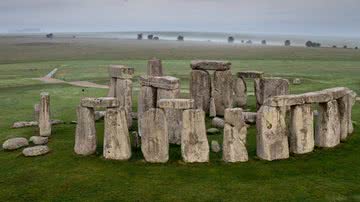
{"x": 240, "y": 93}
{"x": 210, "y": 65}
{"x": 38, "y": 140}
{"x": 176, "y": 103}
{"x": 194, "y": 143}
{"x": 121, "y": 71}
{"x": 212, "y": 131}
{"x": 44, "y": 115}
{"x": 297, "y": 81}
{"x": 215, "y": 146}
{"x": 284, "y": 100}
{"x": 200, "y": 89}
{"x": 164, "y": 82}
{"x": 154, "y": 68}
{"x": 218, "y": 122}
{"x": 250, "y": 74}
{"x": 24, "y": 124}
{"x": 85, "y": 137}
{"x": 223, "y": 91}
{"x": 36, "y": 151}
{"x": 15, "y": 143}
{"x": 250, "y": 117}
{"x": 108, "y": 102}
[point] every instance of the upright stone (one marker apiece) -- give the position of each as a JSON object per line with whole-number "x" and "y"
{"x": 240, "y": 97}
{"x": 85, "y": 137}
{"x": 124, "y": 95}
{"x": 194, "y": 143}
{"x": 36, "y": 112}
{"x": 328, "y": 125}
{"x": 155, "y": 68}
{"x": 345, "y": 104}
{"x": 117, "y": 144}
{"x": 269, "y": 87}
{"x": 272, "y": 134}
{"x": 200, "y": 89}
{"x": 147, "y": 99}
{"x": 301, "y": 129}
{"x": 234, "y": 142}
{"x": 154, "y": 136}
{"x": 223, "y": 93}
{"x": 44, "y": 115}
{"x": 112, "y": 87}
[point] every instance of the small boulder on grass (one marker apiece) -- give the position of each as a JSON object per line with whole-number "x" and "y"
{"x": 15, "y": 143}
{"x": 38, "y": 140}
{"x": 215, "y": 146}
{"x": 36, "y": 151}
{"x": 297, "y": 81}
{"x": 212, "y": 131}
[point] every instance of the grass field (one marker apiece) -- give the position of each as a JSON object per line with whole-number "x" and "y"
{"x": 324, "y": 175}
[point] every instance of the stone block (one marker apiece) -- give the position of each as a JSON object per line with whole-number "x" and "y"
{"x": 107, "y": 102}
{"x": 121, "y": 71}
{"x": 85, "y": 137}
{"x": 164, "y": 82}
{"x": 176, "y": 103}
{"x": 250, "y": 74}
{"x": 44, "y": 115}
{"x": 154, "y": 67}
{"x": 200, "y": 85}
{"x": 210, "y": 65}
{"x": 223, "y": 91}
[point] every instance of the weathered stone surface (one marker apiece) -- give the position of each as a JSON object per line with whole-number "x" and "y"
{"x": 44, "y": 115}
{"x": 218, "y": 122}
{"x": 328, "y": 125}
{"x": 269, "y": 87}
{"x": 124, "y": 95}
{"x": 223, "y": 92}
{"x": 108, "y": 102}
{"x": 250, "y": 74}
{"x": 215, "y": 146}
{"x": 212, "y": 131}
{"x": 176, "y": 103}
{"x": 250, "y": 117}
{"x": 154, "y": 67}
{"x": 85, "y": 137}
{"x": 344, "y": 105}
{"x": 164, "y": 82}
{"x": 99, "y": 115}
{"x": 154, "y": 136}
{"x": 24, "y": 124}
{"x": 36, "y": 112}
{"x": 337, "y": 92}
{"x": 147, "y": 99}
{"x": 194, "y": 143}
{"x": 352, "y": 103}
{"x": 121, "y": 71}
{"x": 301, "y": 136}
{"x": 36, "y": 151}
{"x": 112, "y": 87}
{"x": 316, "y": 97}
{"x": 38, "y": 140}
{"x": 234, "y": 117}
{"x": 240, "y": 96}
{"x": 212, "y": 108}
{"x": 15, "y": 143}
{"x": 117, "y": 144}
{"x": 200, "y": 89}
{"x": 272, "y": 134}
{"x": 284, "y": 100}
{"x": 210, "y": 65}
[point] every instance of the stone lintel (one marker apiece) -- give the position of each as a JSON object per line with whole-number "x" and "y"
{"x": 108, "y": 102}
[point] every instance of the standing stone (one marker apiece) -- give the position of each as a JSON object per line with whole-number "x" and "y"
{"x": 328, "y": 125}
{"x": 352, "y": 101}
{"x": 200, "y": 89}
{"x": 194, "y": 143}
{"x": 218, "y": 122}
{"x": 44, "y": 116}
{"x": 112, "y": 87}
{"x": 147, "y": 99}
{"x": 223, "y": 93}
{"x": 269, "y": 87}
{"x": 301, "y": 129}
{"x": 155, "y": 68}
{"x": 116, "y": 137}
{"x": 36, "y": 112}
{"x": 272, "y": 134}
{"x": 154, "y": 136}
{"x": 124, "y": 95}
{"x": 234, "y": 142}
{"x": 345, "y": 111}
{"x": 240, "y": 97}
{"x": 85, "y": 138}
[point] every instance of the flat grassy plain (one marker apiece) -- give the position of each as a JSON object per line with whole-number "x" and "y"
{"x": 323, "y": 175}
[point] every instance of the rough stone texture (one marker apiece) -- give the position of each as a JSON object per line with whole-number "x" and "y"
{"x": 124, "y": 95}
{"x": 328, "y": 125}
{"x": 301, "y": 135}
{"x": 250, "y": 117}
{"x": 154, "y": 136}
{"x": 317, "y": 97}
{"x": 212, "y": 109}
{"x": 344, "y": 105}
{"x": 212, "y": 131}
{"x": 121, "y": 71}
{"x": 176, "y": 103}
{"x": 218, "y": 122}
{"x": 215, "y": 146}
{"x": 99, "y": 115}
{"x": 112, "y": 87}
{"x": 250, "y": 74}
{"x": 108, "y": 102}
{"x": 352, "y": 103}
{"x": 36, "y": 112}
{"x": 240, "y": 90}
{"x": 284, "y": 100}
{"x": 15, "y": 143}
{"x": 200, "y": 89}
{"x": 272, "y": 134}
{"x": 44, "y": 116}
{"x": 210, "y": 65}
{"x": 85, "y": 138}
{"x": 164, "y": 82}
{"x": 234, "y": 142}
{"x": 24, "y": 124}
{"x": 147, "y": 99}
{"x": 117, "y": 144}
{"x": 194, "y": 143}
{"x": 337, "y": 92}
{"x": 154, "y": 67}
{"x": 173, "y": 116}
{"x": 269, "y": 87}
{"x": 223, "y": 92}
{"x": 38, "y": 140}
{"x": 36, "y": 151}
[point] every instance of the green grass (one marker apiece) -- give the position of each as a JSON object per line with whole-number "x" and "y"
{"x": 323, "y": 175}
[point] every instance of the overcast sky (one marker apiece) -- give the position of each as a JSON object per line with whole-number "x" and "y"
{"x": 313, "y": 17}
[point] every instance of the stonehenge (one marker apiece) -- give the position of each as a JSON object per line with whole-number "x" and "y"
{"x": 266, "y": 87}
{"x": 240, "y": 87}
{"x": 44, "y": 115}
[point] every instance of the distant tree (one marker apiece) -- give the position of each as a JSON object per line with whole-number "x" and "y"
{"x": 231, "y": 39}
{"x": 150, "y": 37}
{"x": 309, "y": 44}
{"x": 345, "y": 46}
{"x": 356, "y": 48}
{"x": 180, "y": 38}
{"x": 50, "y": 36}
{"x": 156, "y": 38}
{"x": 242, "y": 41}
{"x": 287, "y": 43}
{"x": 334, "y": 46}
{"x": 248, "y": 42}
{"x": 73, "y": 36}
{"x": 140, "y": 36}
{"x": 263, "y": 42}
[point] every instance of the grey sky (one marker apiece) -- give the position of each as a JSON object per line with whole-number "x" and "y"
{"x": 319, "y": 17}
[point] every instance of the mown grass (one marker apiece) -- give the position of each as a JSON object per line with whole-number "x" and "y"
{"x": 323, "y": 175}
